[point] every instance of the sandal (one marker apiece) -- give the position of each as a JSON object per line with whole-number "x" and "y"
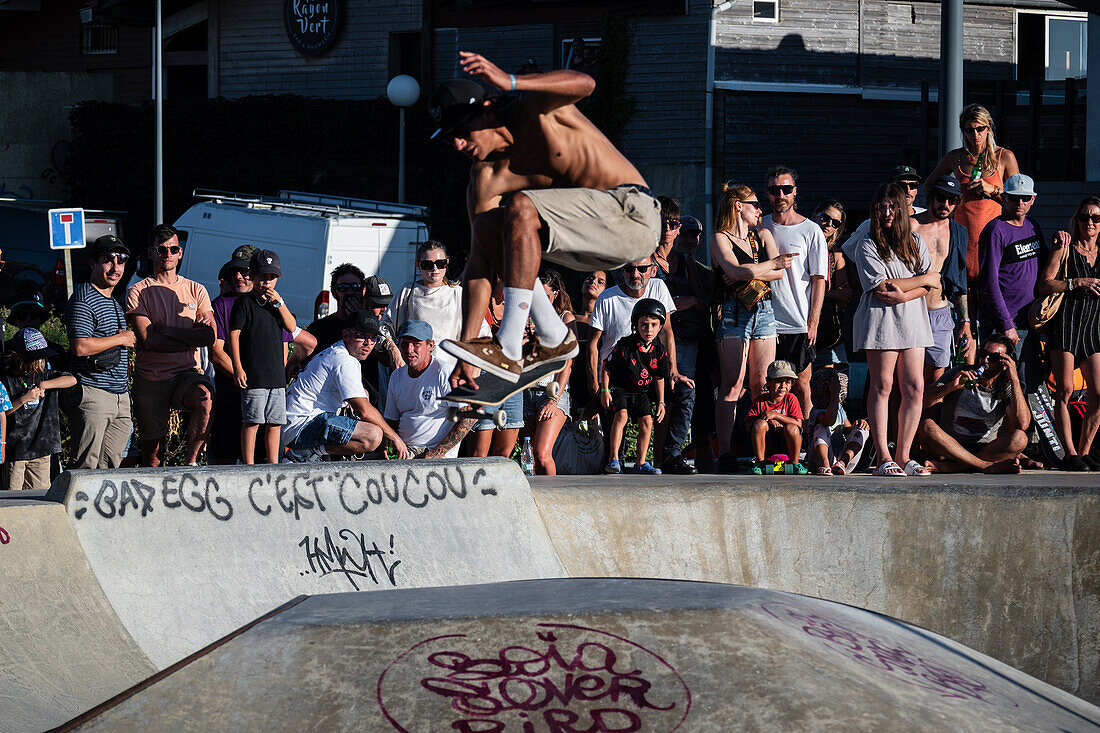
{"x": 839, "y": 469}
{"x": 823, "y": 471}
{"x": 889, "y": 468}
{"x": 912, "y": 468}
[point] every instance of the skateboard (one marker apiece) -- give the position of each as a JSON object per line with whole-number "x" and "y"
{"x": 1042, "y": 411}
{"x": 493, "y": 391}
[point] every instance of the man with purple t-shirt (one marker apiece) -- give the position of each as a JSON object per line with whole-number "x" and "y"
{"x": 1011, "y": 252}
{"x": 224, "y": 446}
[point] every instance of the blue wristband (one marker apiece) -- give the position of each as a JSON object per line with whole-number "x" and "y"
{"x": 512, "y": 78}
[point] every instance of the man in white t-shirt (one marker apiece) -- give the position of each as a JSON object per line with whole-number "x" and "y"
{"x": 798, "y": 295}
{"x": 414, "y": 400}
{"x": 333, "y": 377}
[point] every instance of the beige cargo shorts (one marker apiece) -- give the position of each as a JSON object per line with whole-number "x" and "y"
{"x": 590, "y": 229}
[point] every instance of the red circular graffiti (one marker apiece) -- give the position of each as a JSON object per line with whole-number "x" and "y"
{"x": 557, "y": 678}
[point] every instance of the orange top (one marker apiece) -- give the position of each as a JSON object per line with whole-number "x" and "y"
{"x": 974, "y": 212}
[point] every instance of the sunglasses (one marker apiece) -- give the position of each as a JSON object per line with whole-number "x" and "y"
{"x": 786, "y": 190}
{"x": 976, "y": 130}
{"x": 433, "y": 264}
{"x": 630, "y": 269}
{"x": 116, "y": 257}
{"x": 1013, "y": 198}
{"x": 909, "y": 185}
{"x": 164, "y": 251}
{"x": 671, "y": 223}
{"x": 754, "y": 203}
{"x": 1086, "y": 218}
{"x": 348, "y": 287}
{"x": 946, "y": 198}
{"x": 827, "y": 221}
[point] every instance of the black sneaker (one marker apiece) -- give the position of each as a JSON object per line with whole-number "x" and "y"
{"x": 1092, "y": 463}
{"x": 678, "y": 466}
{"x": 1074, "y": 463}
{"x": 725, "y": 463}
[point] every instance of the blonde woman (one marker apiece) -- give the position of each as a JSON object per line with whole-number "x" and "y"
{"x": 836, "y": 317}
{"x": 545, "y": 415}
{"x": 982, "y": 167}
{"x": 741, "y": 253}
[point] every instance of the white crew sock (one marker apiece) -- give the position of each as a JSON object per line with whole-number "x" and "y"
{"x": 517, "y": 307}
{"x": 549, "y": 326}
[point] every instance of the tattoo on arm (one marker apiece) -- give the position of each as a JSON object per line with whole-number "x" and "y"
{"x": 961, "y": 308}
{"x": 453, "y": 438}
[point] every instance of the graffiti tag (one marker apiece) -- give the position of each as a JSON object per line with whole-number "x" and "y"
{"x": 350, "y": 555}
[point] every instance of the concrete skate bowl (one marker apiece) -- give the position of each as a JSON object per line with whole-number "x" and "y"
{"x": 116, "y": 576}
{"x": 574, "y": 655}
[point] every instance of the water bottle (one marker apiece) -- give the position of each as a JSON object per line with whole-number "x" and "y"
{"x": 527, "y": 458}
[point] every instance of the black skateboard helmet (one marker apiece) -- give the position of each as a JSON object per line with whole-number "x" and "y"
{"x": 648, "y": 307}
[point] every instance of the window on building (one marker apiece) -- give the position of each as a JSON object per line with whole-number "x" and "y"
{"x": 580, "y": 52}
{"x": 98, "y": 39}
{"x": 405, "y": 55}
{"x": 1051, "y": 47}
{"x": 765, "y": 11}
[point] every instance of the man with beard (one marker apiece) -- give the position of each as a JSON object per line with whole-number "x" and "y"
{"x": 983, "y": 418}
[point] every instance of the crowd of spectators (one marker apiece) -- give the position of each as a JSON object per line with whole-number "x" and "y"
{"x": 950, "y": 319}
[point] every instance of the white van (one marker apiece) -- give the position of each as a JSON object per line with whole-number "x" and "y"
{"x": 311, "y": 233}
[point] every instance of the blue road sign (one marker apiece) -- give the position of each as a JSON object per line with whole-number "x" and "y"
{"x": 66, "y": 228}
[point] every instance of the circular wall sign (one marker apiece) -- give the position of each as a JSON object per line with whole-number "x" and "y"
{"x": 311, "y": 25}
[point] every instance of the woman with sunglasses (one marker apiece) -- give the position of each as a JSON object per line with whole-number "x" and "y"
{"x": 746, "y": 258}
{"x": 891, "y": 324}
{"x": 545, "y": 416}
{"x": 435, "y": 300}
{"x": 1073, "y": 335}
{"x": 584, "y": 401}
{"x": 836, "y": 316}
{"x": 982, "y": 167}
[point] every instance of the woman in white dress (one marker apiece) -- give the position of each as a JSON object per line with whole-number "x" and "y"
{"x": 891, "y": 324}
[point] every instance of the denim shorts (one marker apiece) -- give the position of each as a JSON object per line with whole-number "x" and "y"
{"x": 513, "y": 411}
{"x": 739, "y": 323}
{"x": 328, "y": 428}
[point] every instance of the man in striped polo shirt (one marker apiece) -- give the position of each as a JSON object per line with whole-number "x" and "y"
{"x": 100, "y": 342}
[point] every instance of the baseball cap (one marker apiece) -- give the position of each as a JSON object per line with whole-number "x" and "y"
{"x": 780, "y": 369}
{"x": 265, "y": 262}
{"x": 242, "y": 256}
{"x": 108, "y": 243}
{"x": 416, "y": 330}
{"x": 27, "y": 303}
{"x": 30, "y": 343}
{"x": 690, "y": 224}
{"x": 948, "y": 184}
{"x": 364, "y": 322}
{"x": 1020, "y": 185}
{"x": 905, "y": 173}
{"x": 455, "y": 102}
{"x": 378, "y": 290}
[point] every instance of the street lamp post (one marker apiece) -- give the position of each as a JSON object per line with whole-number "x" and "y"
{"x": 402, "y": 91}
{"x": 158, "y": 153}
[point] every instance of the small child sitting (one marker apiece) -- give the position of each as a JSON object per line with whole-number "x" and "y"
{"x": 637, "y": 366}
{"x": 776, "y": 416}
{"x": 33, "y": 415}
{"x": 837, "y": 441}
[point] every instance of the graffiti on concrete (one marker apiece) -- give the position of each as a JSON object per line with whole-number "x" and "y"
{"x": 5, "y": 538}
{"x": 888, "y": 659}
{"x": 25, "y": 193}
{"x": 290, "y": 493}
{"x": 350, "y": 554}
{"x": 550, "y": 678}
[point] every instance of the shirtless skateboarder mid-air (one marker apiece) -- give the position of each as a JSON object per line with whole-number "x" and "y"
{"x": 544, "y": 183}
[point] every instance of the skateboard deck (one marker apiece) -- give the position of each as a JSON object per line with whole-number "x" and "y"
{"x": 493, "y": 390}
{"x": 1042, "y": 411}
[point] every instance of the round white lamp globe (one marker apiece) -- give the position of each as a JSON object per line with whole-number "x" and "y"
{"x": 403, "y": 90}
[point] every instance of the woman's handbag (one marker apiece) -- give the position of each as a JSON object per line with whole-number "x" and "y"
{"x": 754, "y": 291}
{"x": 1046, "y": 307}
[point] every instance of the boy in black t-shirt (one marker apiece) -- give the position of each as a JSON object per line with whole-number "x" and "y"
{"x": 255, "y": 345}
{"x": 637, "y": 366}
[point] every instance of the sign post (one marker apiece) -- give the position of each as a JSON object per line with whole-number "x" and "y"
{"x": 67, "y": 233}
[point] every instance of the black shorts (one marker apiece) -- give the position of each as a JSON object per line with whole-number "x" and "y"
{"x": 636, "y": 404}
{"x": 795, "y": 348}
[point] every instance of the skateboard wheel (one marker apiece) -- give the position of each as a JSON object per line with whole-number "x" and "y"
{"x": 452, "y": 414}
{"x": 500, "y": 418}
{"x": 553, "y": 390}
